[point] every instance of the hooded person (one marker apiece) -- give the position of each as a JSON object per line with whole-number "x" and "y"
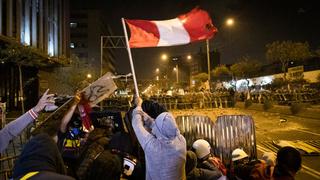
{"x": 164, "y": 147}
{"x": 40, "y": 159}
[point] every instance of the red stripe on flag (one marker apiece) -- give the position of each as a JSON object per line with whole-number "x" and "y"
{"x": 143, "y": 33}
{"x": 198, "y": 24}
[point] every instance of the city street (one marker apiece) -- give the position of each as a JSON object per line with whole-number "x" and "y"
{"x": 269, "y": 128}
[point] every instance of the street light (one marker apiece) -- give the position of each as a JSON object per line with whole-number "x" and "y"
{"x": 189, "y": 57}
{"x": 164, "y": 57}
{"x": 157, "y": 70}
{"x": 230, "y": 22}
{"x": 89, "y": 76}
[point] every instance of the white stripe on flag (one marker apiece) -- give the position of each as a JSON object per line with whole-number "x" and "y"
{"x": 172, "y": 32}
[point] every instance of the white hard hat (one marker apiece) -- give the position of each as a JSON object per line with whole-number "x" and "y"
{"x": 238, "y": 154}
{"x": 202, "y": 148}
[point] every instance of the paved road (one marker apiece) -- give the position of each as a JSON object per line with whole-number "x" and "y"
{"x": 269, "y": 128}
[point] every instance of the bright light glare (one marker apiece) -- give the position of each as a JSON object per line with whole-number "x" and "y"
{"x": 230, "y": 22}
{"x": 164, "y": 57}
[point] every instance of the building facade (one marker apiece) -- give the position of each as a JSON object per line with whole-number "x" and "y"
{"x": 42, "y": 25}
{"x": 86, "y": 29}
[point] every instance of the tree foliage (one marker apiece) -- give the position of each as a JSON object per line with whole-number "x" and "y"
{"x": 201, "y": 77}
{"x": 245, "y": 68}
{"x": 286, "y": 51}
{"x": 74, "y": 76}
{"x": 21, "y": 55}
{"x": 221, "y": 72}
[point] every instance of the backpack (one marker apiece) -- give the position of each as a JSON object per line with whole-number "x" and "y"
{"x": 261, "y": 171}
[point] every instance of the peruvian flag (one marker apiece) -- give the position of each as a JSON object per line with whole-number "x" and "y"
{"x": 196, "y": 25}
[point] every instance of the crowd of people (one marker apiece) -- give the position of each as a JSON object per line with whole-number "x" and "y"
{"x": 149, "y": 147}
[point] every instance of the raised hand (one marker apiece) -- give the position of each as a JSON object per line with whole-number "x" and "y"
{"x": 46, "y": 99}
{"x": 138, "y": 101}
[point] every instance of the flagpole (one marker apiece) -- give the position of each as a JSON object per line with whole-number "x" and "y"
{"x": 130, "y": 57}
{"x": 208, "y": 58}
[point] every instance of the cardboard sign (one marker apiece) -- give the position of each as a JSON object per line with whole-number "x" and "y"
{"x": 100, "y": 89}
{"x": 95, "y": 93}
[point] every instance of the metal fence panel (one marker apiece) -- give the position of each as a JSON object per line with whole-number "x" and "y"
{"x": 234, "y": 131}
{"x": 196, "y": 127}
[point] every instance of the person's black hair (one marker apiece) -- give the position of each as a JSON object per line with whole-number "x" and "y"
{"x": 288, "y": 160}
{"x": 96, "y": 143}
{"x": 105, "y": 166}
{"x": 153, "y": 108}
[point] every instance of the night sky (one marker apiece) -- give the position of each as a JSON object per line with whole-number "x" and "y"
{"x": 256, "y": 24}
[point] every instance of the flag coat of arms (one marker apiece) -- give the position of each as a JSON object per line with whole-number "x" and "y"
{"x": 194, "y": 26}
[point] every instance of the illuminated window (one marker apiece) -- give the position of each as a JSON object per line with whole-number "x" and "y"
{"x": 73, "y": 25}
{"x": 72, "y": 45}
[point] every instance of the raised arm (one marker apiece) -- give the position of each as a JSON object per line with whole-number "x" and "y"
{"x": 14, "y": 128}
{"x": 67, "y": 117}
{"x": 142, "y": 134}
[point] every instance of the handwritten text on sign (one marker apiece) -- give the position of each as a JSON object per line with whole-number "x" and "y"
{"x": 100, "y": 89}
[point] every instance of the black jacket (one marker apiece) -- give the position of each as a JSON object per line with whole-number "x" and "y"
{"x": 39, "y": 154}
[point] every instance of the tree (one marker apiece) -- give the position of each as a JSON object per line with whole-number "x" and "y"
{"x": 200, "y": 80}
{"x": 245, "y": 68}
{"x": 221, "y": 72}
{"x": 73, "y": 76}
{"x": 21, "y": 56}
{"x": 286, "y": 51}
{"x": 201, "y": 77}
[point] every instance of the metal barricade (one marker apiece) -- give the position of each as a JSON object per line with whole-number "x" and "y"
{"x": 228, "y": 133}
{"x": 196, "y": 127}
{"x": 234, "y": 131}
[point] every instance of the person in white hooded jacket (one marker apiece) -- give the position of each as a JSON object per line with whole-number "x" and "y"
{"x": 164, "y": 147}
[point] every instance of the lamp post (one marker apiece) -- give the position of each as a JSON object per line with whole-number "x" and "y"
{"x": 176, "y": 69}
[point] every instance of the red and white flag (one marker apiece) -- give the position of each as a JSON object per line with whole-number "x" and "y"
{"x": 196, "y": 25}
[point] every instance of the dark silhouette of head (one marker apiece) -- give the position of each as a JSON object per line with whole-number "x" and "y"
{"x": 106, "y": 166}
{"x": 152, "y": 108}
{"x": 288, "y": 162}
